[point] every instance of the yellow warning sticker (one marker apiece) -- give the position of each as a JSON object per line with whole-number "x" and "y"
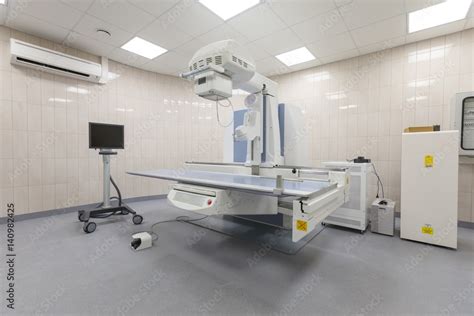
{"x": 427, "y": 230}
{"x": 302, "y": 225}
{"x": 429, "y": 161}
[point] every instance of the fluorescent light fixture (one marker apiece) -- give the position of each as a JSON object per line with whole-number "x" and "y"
{"x": 439, "y": 14}
{"x": 3, "y": 2}
{"x": 226, "y": 9}
{"x": 143, "y": 48}
{"x": 297, "y": 56}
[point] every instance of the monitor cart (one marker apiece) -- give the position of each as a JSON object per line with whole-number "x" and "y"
{"x": 105, "y": 209}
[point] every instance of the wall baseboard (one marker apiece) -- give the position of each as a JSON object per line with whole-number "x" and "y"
{"x": 73, "y": 209}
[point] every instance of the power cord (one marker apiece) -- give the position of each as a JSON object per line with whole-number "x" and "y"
{"x": 224, "y": 106}
{"x": 119, "y": 198}
{"x": 379, "y": 181}
{"x": 179, "y": 219}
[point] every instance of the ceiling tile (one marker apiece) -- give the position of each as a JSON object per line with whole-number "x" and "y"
{"x": 62, "y": 15}
{"x": 256, "y": 52}
{"x": 271, "y": 67}
{"x": 3, "y": 14}
{"x": 121, "y": 14}
{"x": 340, "y": 56}
{"x": 89, "y": 45}
{"x": 170, "y": 61}
{"x": 34, "y": 26}
{"x": 164, "y": 35}
{"x": 294, "y": 11}
{"x": 89, "y": 25}
{"x": 364, "y": 12}
{"x": 82, "y": 5}
{"x": 341, "y": 3}
{"x": 257, "y": 22}
{"x": 127, "y": 58}
{"x": 436, "y": 31}
{"x": 380, "y": 31}
{"x": 280, "y": 42}
{"x": 469, "y": 23}
{"x": 333, "y": 45}
{"x": 192, "y": 18}
{"x": 157, "y": 8}
{"x": 191, "y": 47}
{"x": 393, "y": 42}
{"x": 223, "y": 32}
{"x": 413, "y": 5}
{"x": 320, "y": 27}
{"x": 306, "y": 65}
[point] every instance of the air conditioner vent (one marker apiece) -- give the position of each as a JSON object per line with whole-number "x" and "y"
{"x": 29, "y": 61}
{"x": 208, "y": 60}
{"x": 218, "y": 60}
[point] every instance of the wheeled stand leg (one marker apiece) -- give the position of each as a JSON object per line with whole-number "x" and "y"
{"x": 89, "y": 226}
{"x": 106, "y": 209}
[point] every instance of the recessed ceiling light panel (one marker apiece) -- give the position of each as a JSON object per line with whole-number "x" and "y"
{"x": 297, "y": 56}
{"x": 3, "y": 2}
{"x": 143, "y": 48}
{"x": 228, "y": 8}
{"x": 439, "y": 14}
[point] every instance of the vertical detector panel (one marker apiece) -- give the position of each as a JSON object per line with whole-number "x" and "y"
{"x": 240, "y": 148}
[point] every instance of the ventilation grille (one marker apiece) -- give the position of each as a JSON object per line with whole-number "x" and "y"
{"x": 51, "y": 67}
{"x": 217, "y": 60}
{"x": 240, "y": 62}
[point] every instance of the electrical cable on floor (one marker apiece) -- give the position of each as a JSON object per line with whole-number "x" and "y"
{"x": 224, "y": 106}
{"x": 179, "y": 219}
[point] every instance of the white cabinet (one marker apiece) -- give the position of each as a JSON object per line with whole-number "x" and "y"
{"x": 429, "y": 191}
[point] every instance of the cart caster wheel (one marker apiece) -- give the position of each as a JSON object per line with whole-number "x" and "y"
{"x": 361, "y": 232}
{"x": 323, "y": 224}
{"x": 81, "y": 216}
{"x": 89, "y": 227}
{"x": 137, "y": 219}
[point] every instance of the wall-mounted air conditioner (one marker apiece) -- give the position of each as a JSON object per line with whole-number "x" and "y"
{"x": 37, "y": 57}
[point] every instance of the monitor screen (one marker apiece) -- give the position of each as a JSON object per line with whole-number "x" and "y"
{"x": 106, "y": 136}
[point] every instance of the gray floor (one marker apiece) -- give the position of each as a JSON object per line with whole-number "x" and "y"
{"x": 60, "y": 270}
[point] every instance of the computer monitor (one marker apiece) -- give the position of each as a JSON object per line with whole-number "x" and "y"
{"x": 106, "y": 136}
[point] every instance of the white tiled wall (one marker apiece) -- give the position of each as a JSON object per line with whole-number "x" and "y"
{"x": 353, "y": 107}
{"x": 45, "y": 162}
{"x": 360, "y": 106}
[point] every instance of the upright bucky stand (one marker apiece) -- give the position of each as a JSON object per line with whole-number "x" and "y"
{"x": 105, "y": 209}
